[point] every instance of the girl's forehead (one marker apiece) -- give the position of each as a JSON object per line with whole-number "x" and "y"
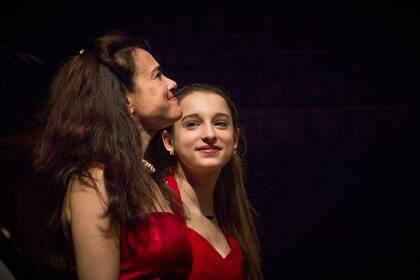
{"x": 204, "y": 102}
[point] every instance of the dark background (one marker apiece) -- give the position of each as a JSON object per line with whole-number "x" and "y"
{"x": 328, "y": 96}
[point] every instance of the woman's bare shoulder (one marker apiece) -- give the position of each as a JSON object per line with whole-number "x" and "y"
{"x": 93, "y": 178}
{"x": 89, "y": 192}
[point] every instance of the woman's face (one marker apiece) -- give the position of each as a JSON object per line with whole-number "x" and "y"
{"x": 205, "y": 137}
{"x": 152, "y": 101}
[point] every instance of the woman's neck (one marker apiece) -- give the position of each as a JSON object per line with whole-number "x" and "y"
{"x": 145, "y": 137}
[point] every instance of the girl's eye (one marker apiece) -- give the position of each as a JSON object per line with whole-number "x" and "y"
{"x": 191, "y": 124}
{"x": 221, "y": 124}
{"x": 159, "y": 75}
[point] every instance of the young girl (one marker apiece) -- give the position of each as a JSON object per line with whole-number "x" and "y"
{"x": 204, "y": 168}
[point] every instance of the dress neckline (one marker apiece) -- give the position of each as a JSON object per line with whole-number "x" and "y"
{"x": 229, "y": 240}
{"x": 171, "y": 181}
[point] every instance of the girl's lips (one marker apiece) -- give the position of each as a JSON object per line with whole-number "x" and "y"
{"x": 209, "y": 150}
{"x": 207, "y": 147}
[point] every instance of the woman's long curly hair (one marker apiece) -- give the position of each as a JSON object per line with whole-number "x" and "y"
{"x": 233, "y": 209}
{"x": 86, "y": 124}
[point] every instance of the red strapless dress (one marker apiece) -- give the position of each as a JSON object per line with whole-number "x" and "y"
{"x": 159, "y": 249}
{"x": 208, "y": 264}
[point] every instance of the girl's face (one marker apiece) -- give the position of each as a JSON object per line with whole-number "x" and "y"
{"x": 205, "y": 137}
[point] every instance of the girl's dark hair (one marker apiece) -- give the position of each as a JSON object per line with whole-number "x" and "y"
{"x": 233, "y": 209}
{"x": 86, "y": 124}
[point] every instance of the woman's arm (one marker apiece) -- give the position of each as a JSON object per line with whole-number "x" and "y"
{"x": 96, "y": 243}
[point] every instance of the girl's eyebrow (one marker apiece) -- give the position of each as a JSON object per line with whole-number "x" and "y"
{"x": 195, "y": 115}
{"x": 222, "y": 115}
{"x": 190, "y": 116}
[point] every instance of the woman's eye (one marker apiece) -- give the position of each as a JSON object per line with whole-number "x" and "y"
{"x": 159, "y": 75}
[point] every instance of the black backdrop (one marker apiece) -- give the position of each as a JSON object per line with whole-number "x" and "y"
{"x": 328, "y": 97}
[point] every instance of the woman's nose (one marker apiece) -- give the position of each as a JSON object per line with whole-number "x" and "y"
{"x": 172, "y": 86}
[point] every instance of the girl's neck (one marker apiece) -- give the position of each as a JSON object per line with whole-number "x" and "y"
{"x": 199, "y": 188}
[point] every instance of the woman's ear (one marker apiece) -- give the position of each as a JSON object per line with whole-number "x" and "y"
{"x": 167, "y": 141}
{"x": 236, "y": 137}
{"x": 130, "y": 103}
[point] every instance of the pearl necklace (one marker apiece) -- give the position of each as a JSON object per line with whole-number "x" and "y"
{"x": 149, "y": 166}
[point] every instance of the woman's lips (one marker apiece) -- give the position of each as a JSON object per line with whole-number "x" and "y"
{"x": 172, "y": 98}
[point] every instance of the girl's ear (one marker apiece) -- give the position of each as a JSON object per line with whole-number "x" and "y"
{"x": 167, "y": 141}
{"x": 236, "y": 137}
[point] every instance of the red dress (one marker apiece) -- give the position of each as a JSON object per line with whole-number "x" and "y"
{"x": 208, "y": 264}
{"x": 159, "y": 249}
